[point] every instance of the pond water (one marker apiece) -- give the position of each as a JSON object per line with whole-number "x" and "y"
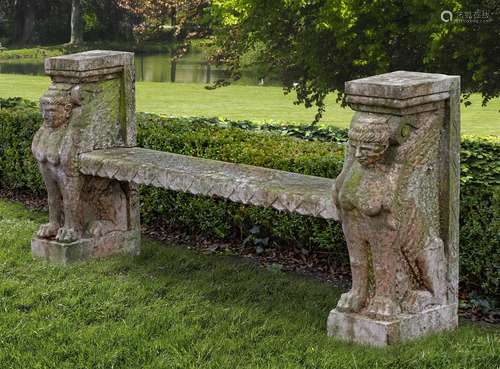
{"x": 153, "y": 68}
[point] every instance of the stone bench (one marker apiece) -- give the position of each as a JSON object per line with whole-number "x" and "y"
{"x": 247, "y": 184}
{"x": 397, "y": 195}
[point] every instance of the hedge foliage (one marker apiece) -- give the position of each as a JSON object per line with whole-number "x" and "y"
{"x": 316, "y": 152}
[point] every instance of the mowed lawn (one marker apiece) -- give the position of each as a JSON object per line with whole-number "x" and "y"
{"x": 255, "y": 103}
{"x": 172, "y": 307}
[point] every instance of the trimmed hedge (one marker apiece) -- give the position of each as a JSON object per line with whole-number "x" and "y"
{"x": 271, "y": 146}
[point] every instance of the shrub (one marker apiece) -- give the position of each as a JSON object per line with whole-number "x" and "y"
{"x": 224, "y": 219}
{"x": 270, "y": 146}
{"x": 480, "y": 215}
{"x": 19, "y": 120}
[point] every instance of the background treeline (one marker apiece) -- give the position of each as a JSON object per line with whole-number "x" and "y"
{"x": 27, "y": 22}
{"x": 312, "y": 47}
{"x": 48, "y": 22}
{"x": 315, "y": 46}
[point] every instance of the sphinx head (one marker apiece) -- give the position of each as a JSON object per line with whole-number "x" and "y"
{"x": 369, "y": 138}
{"x": 57, "y": 103}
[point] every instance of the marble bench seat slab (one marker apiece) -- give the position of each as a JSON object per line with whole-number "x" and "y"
{"x": 292, "y": 192}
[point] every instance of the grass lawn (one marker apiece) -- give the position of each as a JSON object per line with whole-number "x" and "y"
{"x": 174, "y": 308}
{"x": 243, "y": 103}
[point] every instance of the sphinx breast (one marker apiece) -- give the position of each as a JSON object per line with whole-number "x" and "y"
{"x": 370, "y": 207}
{"x": 362, "y": 193}
{"x": 47, "y": 145}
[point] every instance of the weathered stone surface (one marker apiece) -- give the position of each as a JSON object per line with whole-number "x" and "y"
{"x": 449, "y": 198}
{"x": 100, "y": 61}
{"x": 393, "y": 198}
{"x": 400, "y": 93}
{"x": 358, "y": 328}
{"x": 113, "y": 243}
{"x": 397, "y": 195}
{"x": 80, "y": 115}
{"x": 401, "y": 85}
{"x": 247, "y": 184}
{"x": 100, "y": 65}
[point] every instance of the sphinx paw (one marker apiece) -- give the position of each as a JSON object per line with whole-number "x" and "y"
{"x": 48, "y": 230}
{"x": 383, "y": 307}
{"x": 67, "y": 235}
{"x": 351, "y": 302}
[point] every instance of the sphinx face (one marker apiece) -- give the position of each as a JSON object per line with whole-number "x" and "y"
{"x": 367, "y": 153}
{"x": 56, "y": 109}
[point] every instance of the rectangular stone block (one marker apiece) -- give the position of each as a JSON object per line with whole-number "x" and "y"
{"x": 113, "y": 243}
{"x": 361, "y": 329}
{"x": 100, "y": 61}
{"x": 401, "y": 85}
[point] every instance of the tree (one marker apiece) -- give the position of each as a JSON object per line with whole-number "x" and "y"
{"x": 34, "y": 21}
{"x": 183, "y": 17}
{"x": 314, "y": 46}
{"x": 76, "y": 22}
{"x": 59, "y": 21}
{"x": 471, "y": 49}
{"x": 24, "y": 21}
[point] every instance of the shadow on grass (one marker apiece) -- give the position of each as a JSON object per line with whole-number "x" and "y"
{"x": 230, "y": 281}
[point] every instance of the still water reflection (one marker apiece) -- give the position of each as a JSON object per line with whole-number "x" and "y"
{"x": 161, "y": 68}
{"x": 154, "y": 68}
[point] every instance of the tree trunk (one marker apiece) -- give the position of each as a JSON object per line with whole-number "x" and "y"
{"x": 19, "y": 10}
{"x": 76, "y": 22}
{"x": 173, "y": 17}
{"x": 24, "y": 21}
{"x": 29, "y": 25}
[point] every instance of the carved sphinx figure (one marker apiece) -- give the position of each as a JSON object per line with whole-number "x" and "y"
{"x": 78, "y": 206}
{"x": 54, "y": 148}
{"x": 394, "y": 252}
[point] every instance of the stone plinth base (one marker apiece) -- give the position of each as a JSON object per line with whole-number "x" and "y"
{"x": 113, "y": 243}
{"x": 361, "y": 329}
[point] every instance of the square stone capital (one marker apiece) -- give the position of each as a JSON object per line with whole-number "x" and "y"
{"x": 400, "y": 92}
{"x": 95, "y": 64}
